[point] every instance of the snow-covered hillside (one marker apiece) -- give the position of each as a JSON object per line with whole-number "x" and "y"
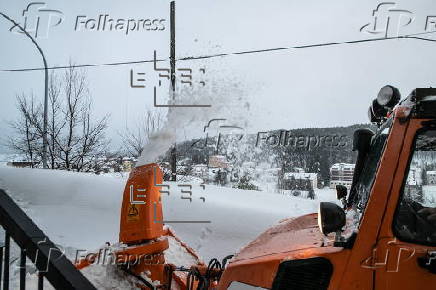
{"x": 82, "y": 210}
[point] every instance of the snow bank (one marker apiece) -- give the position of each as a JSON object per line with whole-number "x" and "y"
{"x": 82, "y": 210}
{"x": 74, "y": 209}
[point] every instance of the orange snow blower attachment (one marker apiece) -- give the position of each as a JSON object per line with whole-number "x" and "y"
{"x": 141, "y": 226}
{"x": 142, "y": 230}
{"x": 141, "y": 212}
{"x": 144, "y": 240}
{"x": 142, "y": 236}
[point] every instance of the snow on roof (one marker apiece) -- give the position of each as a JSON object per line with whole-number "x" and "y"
{"x": 301, "y": 175}
{"x": 273, "y": 169}
{"x": 199, "y": 165}
{"x": 219, "y": 157}
{"x": 218, "y": 161}
{"x": 14, "y": 158}
{"x": 342, "y": 166}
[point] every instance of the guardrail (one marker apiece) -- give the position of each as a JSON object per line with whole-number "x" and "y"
{"x": 48, "y": 259}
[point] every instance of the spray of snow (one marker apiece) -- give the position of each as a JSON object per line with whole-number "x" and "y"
{"x": 157, "y": 145}
{"x": 227, "y": 99}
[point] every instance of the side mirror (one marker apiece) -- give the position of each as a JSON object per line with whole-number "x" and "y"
{"x": 331, "y": 218}
{"x": 362, "y": 140}
{"x": 341, "y": 191}
{"x": 341, "y": 194}
{"x": 376, "y": 112}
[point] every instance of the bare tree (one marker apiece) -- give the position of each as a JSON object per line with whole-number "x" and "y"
{"x": 28, "y": 135}
{"x": 92, "y": 140}
{"x": 135, "y": 138}
{"x": 56, "y": 121}
{"x": 75, "y": 140}
{"x": 74, "y": 90}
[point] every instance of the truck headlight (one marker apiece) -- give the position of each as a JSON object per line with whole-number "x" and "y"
{"x": 388, "y": 97}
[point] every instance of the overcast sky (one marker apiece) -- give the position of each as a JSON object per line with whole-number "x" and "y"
{"x": 313, "y": 87}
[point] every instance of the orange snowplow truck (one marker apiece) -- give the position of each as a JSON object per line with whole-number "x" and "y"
{"x": 383, "y": 236}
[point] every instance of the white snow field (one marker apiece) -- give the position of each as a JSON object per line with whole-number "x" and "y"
{"x": 81, "y": 211}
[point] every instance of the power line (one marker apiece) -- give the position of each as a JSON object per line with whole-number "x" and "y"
{"x": 414, "y": 36}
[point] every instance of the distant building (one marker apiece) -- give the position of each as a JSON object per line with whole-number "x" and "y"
{"x": 22, "y": 164}
{"x": 341, "y": 174}
{"x": 301, "y": 179}
{"x": 200, "y": 170}
{"x": 431, "y": 178}
{"x": 128, "y": 164}
{"x": 415, "y": 176}
{"x": 218, "y": 161}
{"x": 19, "y": 160}
{"x": 218, "y": 168}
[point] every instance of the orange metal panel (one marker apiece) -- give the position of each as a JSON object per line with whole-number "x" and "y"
{"x": 142, "y": 206}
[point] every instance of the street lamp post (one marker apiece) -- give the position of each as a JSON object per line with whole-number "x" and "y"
{"x": 44, "y": 133}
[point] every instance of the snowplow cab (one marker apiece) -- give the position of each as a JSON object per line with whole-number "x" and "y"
{"x": 384, "y": 234}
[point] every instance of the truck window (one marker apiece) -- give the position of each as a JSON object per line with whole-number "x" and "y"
{"x": 415, "y": 219}
{"x": 366, "y": 179}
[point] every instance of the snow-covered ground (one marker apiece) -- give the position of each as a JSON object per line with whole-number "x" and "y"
{"x": 81, "y": 211}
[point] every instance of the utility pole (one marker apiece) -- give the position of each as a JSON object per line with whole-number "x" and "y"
{"x": 173, "y": 160}
{"x": 44, "y": 133}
